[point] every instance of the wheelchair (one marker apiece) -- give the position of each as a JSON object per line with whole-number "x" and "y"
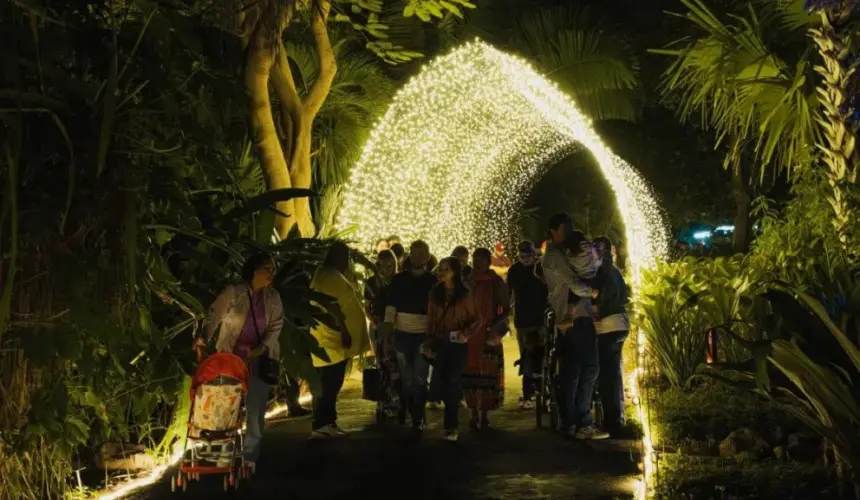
{"x": 545, "y": 395}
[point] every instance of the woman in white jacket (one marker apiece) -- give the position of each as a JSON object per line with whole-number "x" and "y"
{"x": 248, "y": 318}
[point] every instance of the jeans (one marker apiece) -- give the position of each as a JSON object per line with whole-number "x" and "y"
{"x": 450, "y": 361}
{"x": 531, "y": 356}
{"x": 435, "y": 392}
{"x": 413, "y": 373}
{"x": 578, "y": 371}
{"x": 611, "y": 379}
{"x": 325, "y": 403}
{"x": 255, "y": 408}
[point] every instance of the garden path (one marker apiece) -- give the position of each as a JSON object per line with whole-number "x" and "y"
{"x": 512, "y": 460}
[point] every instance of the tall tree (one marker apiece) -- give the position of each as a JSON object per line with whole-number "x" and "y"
{"x": 263, "y": 24}
{"x": 759, "y": 82}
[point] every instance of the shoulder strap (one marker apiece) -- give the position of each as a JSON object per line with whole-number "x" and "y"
{"x": 253, "y": 316}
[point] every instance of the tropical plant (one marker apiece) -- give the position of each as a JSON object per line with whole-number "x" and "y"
{"x": 758, "y": 82}
{"x": 807, "y": 363}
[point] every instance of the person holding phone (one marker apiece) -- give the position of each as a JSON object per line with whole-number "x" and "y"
{"x": 451, "y": 319}
{"x": 248, "y": 318}
{"x": 342, "y": 341}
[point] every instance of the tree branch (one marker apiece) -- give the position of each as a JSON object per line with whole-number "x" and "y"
{"x": 320, "y": 89}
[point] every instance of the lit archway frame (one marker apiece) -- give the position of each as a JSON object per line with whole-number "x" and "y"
{"x": 458, "y": 150}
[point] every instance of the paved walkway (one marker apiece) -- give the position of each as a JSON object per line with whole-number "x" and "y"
{"x": 512, "y": 460}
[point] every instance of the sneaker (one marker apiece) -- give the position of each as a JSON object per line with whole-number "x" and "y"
{"x": 591, "y": 432}
{"x": 327, "y": 432}
{"x": 338, "y": 431}
{"x": 434, "y": 405}
{"x": 419, "y": 427}
{"x": 527, "y": 404}
{"x": 250, "y": 468}
{"x": 450, "y": 435}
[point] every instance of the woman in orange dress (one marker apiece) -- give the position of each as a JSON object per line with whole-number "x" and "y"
{"x": 484, "y": 376}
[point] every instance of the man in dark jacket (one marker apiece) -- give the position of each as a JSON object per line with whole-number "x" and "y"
{"x": 612, "y": 326}
{"x": 528, "y": 296}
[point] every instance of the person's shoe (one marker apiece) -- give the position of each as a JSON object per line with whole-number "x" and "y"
{"x": 526, "y": 404}
{"x": 591, "y": 432}
{"x": 434, "y": 405}
{"x": 326, "y": 432}
{"x": 298, "y": 412}
{"x": 568, "y": 432}
{"x": 450, "y": 435}
{"x": 338, "y": 432}
{"x": 250, "y": 468}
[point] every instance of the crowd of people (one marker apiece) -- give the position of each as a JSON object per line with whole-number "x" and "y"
{"x": 437, "y": 326}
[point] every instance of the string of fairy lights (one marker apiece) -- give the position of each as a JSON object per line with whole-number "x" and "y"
{"x": 456, "y": 154}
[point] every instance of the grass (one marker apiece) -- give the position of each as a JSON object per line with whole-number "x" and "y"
{"x": 711, "y": 411}
{"x": 706, "y": 478}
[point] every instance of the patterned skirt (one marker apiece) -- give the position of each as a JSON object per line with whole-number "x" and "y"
{"x": 484, "y": 382}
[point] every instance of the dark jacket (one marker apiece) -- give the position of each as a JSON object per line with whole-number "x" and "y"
{"x": 529, "y": 295}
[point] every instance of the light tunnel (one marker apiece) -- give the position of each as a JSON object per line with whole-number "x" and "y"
{"x": 454, "y": 158}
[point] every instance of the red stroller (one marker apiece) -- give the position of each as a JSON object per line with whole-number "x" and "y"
{"x": 213, "y": 442}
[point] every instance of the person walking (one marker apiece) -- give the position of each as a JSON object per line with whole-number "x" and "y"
{"x": 612, "y": 326}
{"x": 376, "y": 292}
{"x": 452, "y": 318}
{"x": 484, "y": 376}
{"x": 248, "y": 318}
{"x": 568, "y": 262}
{"x": 342, "y": 343}
{"x": 405, "y": 327}
{"x": 529, "y": 300}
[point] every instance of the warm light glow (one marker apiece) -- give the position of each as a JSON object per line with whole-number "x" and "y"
{"x": 157, "y": 473}
{"x": 459, "y": 149}
{"x": 462, "y": 144}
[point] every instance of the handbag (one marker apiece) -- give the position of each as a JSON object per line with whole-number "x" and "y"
{"x": 268, "y": 369}
{"x": 371, "y": 384}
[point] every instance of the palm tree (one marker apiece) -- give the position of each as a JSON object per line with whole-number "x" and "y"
{"x": 763, "y": 99}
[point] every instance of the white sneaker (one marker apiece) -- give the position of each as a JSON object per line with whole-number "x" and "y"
{"x": 527, "y": 404}
{"x": 250, "y": 468}
{"x": 591, "y": 432}
{"x": 451, "y": 435}
{"x": 327, "y": 432}
{"x": 434, "y": 405}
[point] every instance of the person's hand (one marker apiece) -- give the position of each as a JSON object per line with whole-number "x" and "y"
{"x": 257, "y": 352}
{"x": 594, "y": 293}
{"x": 198, "y": 343}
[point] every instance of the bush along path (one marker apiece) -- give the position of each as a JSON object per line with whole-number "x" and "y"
{"x": 511, "y": 460}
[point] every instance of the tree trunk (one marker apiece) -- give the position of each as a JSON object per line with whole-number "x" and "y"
{"x": 300, "y": 172}
{"x": 840, "y": 154}
{"x": 741, "y": 235}
{"x": 261, "y": 58}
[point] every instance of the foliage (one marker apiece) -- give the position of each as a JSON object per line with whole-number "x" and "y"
{"x": 134, "y": 203}
{"x": 680, "y": 301}
{"x": 734, "y": 78}
{"x": 707, "y": 478}
{"x": 808, "y": 364}
{"x": 590, "y": 62}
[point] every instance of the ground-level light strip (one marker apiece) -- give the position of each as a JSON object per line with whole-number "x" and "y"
{"x": 158, "y": 472}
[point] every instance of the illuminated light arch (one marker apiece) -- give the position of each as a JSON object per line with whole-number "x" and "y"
{"x": 458, "y": 151}
{"x": 456, "y": 154}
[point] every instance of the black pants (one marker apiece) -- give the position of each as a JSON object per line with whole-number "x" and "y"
{"x": 450, "y": 361}
{"x": 611, "y": 380}
{"x": 291, "y": 392}
{"x": 325, "y": 403}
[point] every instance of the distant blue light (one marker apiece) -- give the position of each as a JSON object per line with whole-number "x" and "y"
{"x": 702, "y": 235}
{"x": 728, "y": 229}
